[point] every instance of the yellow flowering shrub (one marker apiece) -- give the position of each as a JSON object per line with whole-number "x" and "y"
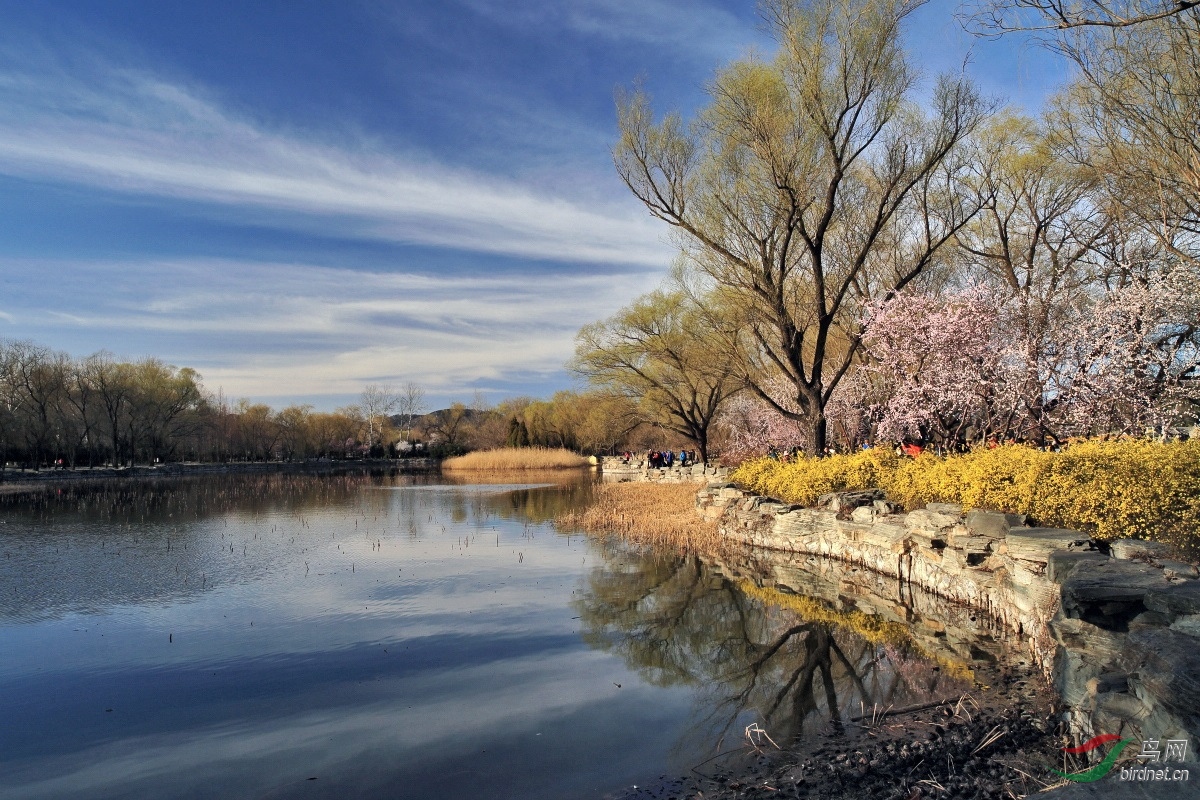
{"x": 803, "y": 480}
{"x": 1110, "y": 489}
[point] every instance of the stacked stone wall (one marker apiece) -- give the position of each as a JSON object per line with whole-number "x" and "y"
{"x": 1115, "y": 626}
{"x": 619, "y": 470}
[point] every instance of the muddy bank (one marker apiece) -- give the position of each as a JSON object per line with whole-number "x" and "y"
{"x": 993, "y": 744}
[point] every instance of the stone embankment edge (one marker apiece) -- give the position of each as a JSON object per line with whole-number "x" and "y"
{"x": 615, "y": 469}
{"x": 1114, "y": 626}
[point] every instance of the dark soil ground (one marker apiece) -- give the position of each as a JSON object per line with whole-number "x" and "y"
{"x": 998, "y": 742}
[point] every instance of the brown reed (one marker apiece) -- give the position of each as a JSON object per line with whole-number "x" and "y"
{"x": 517, "y": 458}
{"x": 660, "y": 515}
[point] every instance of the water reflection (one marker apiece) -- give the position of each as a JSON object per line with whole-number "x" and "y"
{"x": 794, "y": 664}
{"x": 397, "y": 637}
{"x": 236, "y": 638}
{"x": 82, "y": 548}
{"x": 521, "y": 493}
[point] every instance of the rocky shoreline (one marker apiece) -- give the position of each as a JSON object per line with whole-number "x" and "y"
{"x": 1112, "y": 627}
{"x": 1113, "y": 624}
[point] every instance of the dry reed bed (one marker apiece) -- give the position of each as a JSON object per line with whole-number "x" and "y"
{"x": 654, "y": 514}
{"x": 517, "y": 458}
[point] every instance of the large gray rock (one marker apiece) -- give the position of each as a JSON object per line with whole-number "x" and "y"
{"x": 1139, "y": 549}
{"x": 1061, "y": 563}
{"x": 1175, "y": 599}
{"x": 929, "y": 522}
{"x": 993, "y": 524}
{"x": 1109, "y": 593}
{"x": 1036, "y": 544}
{"x": 1167, "y": 664}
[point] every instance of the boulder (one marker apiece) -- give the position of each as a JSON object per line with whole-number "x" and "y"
{"x": 1109, "y": 593}
{"x": 1138, "y": 549}
{"x": 1061, "y": 563}
{"x": 954, "y": 509}
{"x": 1167, "y": 663}
{"x": 1175, "y": 599}
{"x": 1036, "y": 544}
{"x": 993, "y": 524}
{"x": 929, "y": 522}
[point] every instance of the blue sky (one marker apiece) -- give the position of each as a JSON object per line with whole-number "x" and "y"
{"x": 301, "y": 198}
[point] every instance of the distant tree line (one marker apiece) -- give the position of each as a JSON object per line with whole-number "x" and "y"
{"x": 58, "y": 410}
{"x": 98, "y": 410}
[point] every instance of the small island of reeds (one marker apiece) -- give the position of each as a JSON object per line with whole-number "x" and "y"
{"x": 516, "y": 458}
{"x": 659, "y": 515}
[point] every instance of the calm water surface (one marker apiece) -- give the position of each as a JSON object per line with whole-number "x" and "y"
{"x": 386, "y": 637}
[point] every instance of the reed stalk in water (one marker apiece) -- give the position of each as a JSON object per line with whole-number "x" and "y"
{"x": 653, "y": 514}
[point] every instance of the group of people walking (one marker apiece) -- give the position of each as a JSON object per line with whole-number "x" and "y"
{"x": 664, "y": 459}
{"x": 659, "y": 459}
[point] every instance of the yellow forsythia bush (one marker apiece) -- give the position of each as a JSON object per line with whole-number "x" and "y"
{"x": 1109, "y": 489}
{"x": 804, "y": 480}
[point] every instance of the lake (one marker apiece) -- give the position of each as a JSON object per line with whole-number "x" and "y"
{"x": 374, "y": 636}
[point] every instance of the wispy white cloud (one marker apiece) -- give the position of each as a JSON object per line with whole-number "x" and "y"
{"x": 271, "y": 330}
{"x": 129, "y": 131}
{"x": 684, "y": 26}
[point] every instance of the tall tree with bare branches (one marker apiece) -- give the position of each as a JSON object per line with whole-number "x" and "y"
{"x": 811, "y": 183}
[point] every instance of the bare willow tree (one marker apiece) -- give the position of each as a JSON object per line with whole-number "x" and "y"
{"x": 1133, "y": 117}
{"x": 997, "y": 17}
{"x": 661, "y": 354}
{"x": 811, "y": 183}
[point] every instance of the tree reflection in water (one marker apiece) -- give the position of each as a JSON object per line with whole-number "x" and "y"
{"x": 794, "y": 665}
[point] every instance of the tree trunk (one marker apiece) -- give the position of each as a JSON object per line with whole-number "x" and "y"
{"x": 818, "y": 432}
